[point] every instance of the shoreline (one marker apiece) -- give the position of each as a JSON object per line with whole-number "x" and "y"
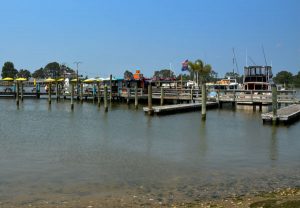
{"x": 281, "y": 198}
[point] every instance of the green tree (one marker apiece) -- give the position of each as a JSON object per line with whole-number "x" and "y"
{"x": 24, "y": 73}
{"x": 128, "y": 75}
{"x": 296, "y": 80}
{"x": 284, "y": 77}
{"x": 164, "y": 74}
{"x": 8, "y": 70}
{"x": 201, "y": 70}
{"x": 233, "y": 75}
{"x": 53, "y": 70}
{"x": 39, "y": 74}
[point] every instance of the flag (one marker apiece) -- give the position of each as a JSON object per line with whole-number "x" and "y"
{"x": 185, "y": 65}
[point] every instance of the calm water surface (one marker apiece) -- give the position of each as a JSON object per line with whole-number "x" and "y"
{"x": 52, "y": 151}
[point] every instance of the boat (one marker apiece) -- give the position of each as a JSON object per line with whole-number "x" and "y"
{"x": 257, "y": 78}
{"x": 222, "y": 85}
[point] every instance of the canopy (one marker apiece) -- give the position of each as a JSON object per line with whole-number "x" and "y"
{"x": 60, "y": 80}
{"x": 21, "y": 79}
{"x": 8, "y": 79}
{"x": 49, "y": 80}
{"x": 90, "y": 80}
{"x": 74, "y": 80}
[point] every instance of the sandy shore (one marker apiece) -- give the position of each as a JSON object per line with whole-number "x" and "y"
{"x": 283, "y": 198}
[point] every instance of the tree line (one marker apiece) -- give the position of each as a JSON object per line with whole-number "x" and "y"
{"x": 53, "y": 69}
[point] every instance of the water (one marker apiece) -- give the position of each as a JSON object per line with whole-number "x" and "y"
{"x": 52, "y": 153}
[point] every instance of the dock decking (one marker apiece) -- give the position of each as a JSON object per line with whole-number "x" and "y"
{"x": 285, "y": 114}
{"x": 178, "y": 107}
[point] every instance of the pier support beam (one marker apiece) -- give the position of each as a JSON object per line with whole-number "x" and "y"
{"x": 99, "y": 94}
{"x": 49, "y": 93}
{"x": 81, "y": 92}
{"x": 162, "y": 95}
{"x": 72, "y": 96}
{"x": 203, "y": 107}
{"x": 17, "y": 93}
{"x": 136, "y": 99}
{"x": 274, "y": 103}
{"x": 105, "y": 99}
{"x": 150, "y": 110}
{"x": 22, "y": 93}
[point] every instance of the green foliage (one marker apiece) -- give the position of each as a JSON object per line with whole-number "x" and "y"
{"x": 199, "y": 70}
{"x": 53, "y": 70}
{"x": 128, "y": 75}
{"x": 39, "y": 74}
{"x": 8, "y": 70}
{"x": 233, "y": 75}
{"x": 24, "y": 73}
{"x": 164, "y": 74}
{"x": 185, "y": 77}
{"x": 296, "y": 80}
{"x": 284, "y": 77}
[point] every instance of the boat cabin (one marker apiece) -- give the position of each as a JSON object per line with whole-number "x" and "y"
{"x": 257, "y": 78}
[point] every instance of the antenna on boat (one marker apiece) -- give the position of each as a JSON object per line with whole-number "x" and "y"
{"x": 246, "y": 57}
{"x": 234, "y": 60}
{"x": 264, "y": 54}
{"x": 252, "y": 61}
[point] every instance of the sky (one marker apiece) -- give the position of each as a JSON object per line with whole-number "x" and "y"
{"x": 111, "y": 36}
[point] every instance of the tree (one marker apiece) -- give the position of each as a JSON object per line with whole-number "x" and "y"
{"x": 53, "y": 70}
{"x": 200, "y": 69}
{"x": 8, "y": 70}
{"x": 233, "y": 75}
{"x": 164, "y": 74}
{"x": 128, "y": 75}
{"x": 283, "y": 77}
{"x": 24, "y": 73}
{"x": 39, "y": 74}
{"x": 296, "y": 80}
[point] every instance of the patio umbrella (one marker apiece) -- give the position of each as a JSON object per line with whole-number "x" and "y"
{"x": 21, "y": 79}
{"x": 49, "y": 80}
{"x": 8, "y": 79}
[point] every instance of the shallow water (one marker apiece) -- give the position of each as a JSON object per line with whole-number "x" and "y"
{"x": 53, "y": 152}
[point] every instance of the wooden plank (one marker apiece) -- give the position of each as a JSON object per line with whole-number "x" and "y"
{"x": 178, "y": 107}
{"x": 283, "y": 114}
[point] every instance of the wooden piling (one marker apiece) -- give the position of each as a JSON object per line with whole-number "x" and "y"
{"x": 128, "y": 96}
{"x": 22, "y": 93}
{"x": 110, "y": 87}
{"x": 72, "y": 96}
{"x": 203, "y": 107}
{"x": 37, "y": 91}
{"x": 105, "y": 98}
{"x": 17, "y": 93}
{"x": 162, "y": 95}
{"x": 57, "y": 91}
{"x": 274, "y": 103}
{"x": 150, "y": 112}
{"x": 81, "y": 92}
{"x": 99, "y": 94}
{"x": 136, "y": 100}
{"x": 49, "y": 93}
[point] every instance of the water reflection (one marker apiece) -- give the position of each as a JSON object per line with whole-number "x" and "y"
{"x": 274, "y": 144}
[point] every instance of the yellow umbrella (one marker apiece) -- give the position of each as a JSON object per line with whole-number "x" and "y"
{"x": 21, "y": 79}
{"x": 74, "y": 80}
{"x": 90, "y": 80}
{"x": 60, "y": 80}
{"x": 34, "y": 82}
{"x": 8, "y": 79}
{"x": 49, "y": 80}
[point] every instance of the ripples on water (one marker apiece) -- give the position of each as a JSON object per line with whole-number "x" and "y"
{"x": 54, "y": 151}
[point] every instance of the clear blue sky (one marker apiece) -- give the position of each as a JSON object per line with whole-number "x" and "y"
{"x": 116, "y": 35}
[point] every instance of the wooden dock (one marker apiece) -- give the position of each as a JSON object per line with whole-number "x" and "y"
{"x": 285, "y": 114}
{"x": 179, "y": 107}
